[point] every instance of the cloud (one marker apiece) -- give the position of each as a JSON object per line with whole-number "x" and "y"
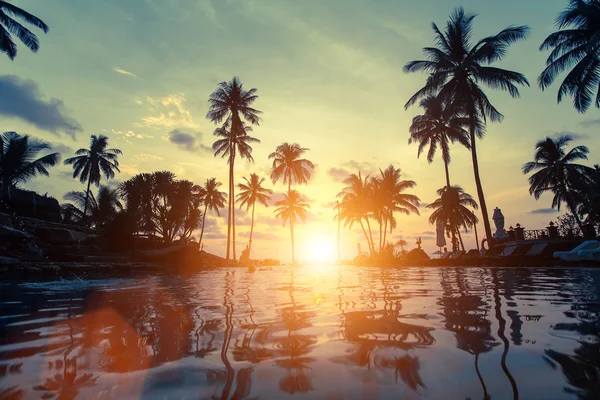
{"x": 212, "y": 235}
{"x": 22, "y": 99}
{"x": 124, "y": 72}
{"x": 188, "y": 141}
{"x": 574, "y": 135}
{"x": 147, "y": 157}
{"x": 543, "y": 211}
{"x": 428, "y": 233}
{"x": 64, "y": 150}
{"x": 338, "y": 174}
{"x": 129, "y": 134}
{"x": 169, "y": 112}
{"x": 590, "y": 123}
{"x": 262, "y": 236}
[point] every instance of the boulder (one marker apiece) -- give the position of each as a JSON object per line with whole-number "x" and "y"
{"x": 9, "y": 232}
{"x": 8, "y": 260}
{"x": 60, "y": 235}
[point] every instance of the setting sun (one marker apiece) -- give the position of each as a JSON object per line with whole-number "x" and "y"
{"x": 321, "y": 249}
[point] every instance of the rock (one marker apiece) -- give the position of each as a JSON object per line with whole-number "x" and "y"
{"x": 60, "y": 235}
{"x": 7, "y": 231}
{"x": 8, "y": 260}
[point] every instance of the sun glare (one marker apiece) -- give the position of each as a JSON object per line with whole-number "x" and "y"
{"x": 321, "y": 249}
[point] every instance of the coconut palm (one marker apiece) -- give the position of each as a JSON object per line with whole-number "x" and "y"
{"x": 575, "y": 48}
{"x": 8, "y": 26}
{"x": 356, "y": 204}
{"x": 90, "y": 164}
{"x": 251, "y": 192}
{"x": 388, "y": 193}
{"x": 290, "y": 209}
{"x": 231, "y": 104}
{"x": 213, "y": 200}
{"x": 18, "y": 162}
{"x": 557, "y": 172}
{"x": 289, "y": 166}
{"x": 102, "y": 208}
{"x": 233, "y": 143}
{"x": 439, "y": 125}
{"x": 137, "y": 193}
{"x": 457, "y": 68}
{"x": 453, "y": 210}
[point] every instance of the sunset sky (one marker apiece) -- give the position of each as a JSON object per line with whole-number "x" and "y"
{"x": 329, "y": 76}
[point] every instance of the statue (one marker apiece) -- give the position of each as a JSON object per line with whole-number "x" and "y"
{"x": 499, "y": 222}
{"x": 419, "y": 241}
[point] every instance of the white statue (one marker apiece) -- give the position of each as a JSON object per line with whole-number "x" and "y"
{"x": 499, "y": 222}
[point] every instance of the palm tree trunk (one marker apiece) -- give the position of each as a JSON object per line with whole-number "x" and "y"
{"x": 87, "y": 196}
{"x": 292, "y": 236}
{"x": 366, "y": 237}
{"x": 462, "y": 245}
{"x": 371, "y": 236}
{"x": 202, "y": 230}
{"x": 385, "y": 230}
{"x": 251, "y": 229}
{"x": 447, "y": 174}
{"x": 233, "y": 205}
{"x": 484, "y": 212}
{"x": 380, "y": 232}
{"x": 573, "y": 209}
{"x": 229, "y": 210}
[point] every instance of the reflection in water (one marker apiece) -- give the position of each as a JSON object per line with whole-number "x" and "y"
{"x": 308, "y": 332}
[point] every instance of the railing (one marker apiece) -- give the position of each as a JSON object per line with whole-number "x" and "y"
{"x": 535, "y": 234}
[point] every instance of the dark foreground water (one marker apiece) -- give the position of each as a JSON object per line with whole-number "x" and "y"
{"x": 326, "y": 333}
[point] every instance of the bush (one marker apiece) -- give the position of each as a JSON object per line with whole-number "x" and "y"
{"x": 119, "y": 233}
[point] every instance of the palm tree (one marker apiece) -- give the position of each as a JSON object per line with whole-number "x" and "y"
{"x": 452, "y": 210}
{"x": 231, "y": 103}
{"x": 389, "y": 190}
{"x": 89, "y": 165}
{"x": 356, "y": 204}
{"x": 558, "y": 173}
{"x": 456, "y": 69}
{"x": 18, "y": 162}
{"x": 290, "y": 209}
{"x": 232, "y": 143}
{"x": 138, "y": 195}
{"x": 213, "y": 200}
{"x": 8, "y": 25}
{"x": 575, "y": 49}
{"x": 102, "y": 208}
{"x": 288, "y": 166}
{"x": 439, "y": 125}
{"x": 250, "y": 193}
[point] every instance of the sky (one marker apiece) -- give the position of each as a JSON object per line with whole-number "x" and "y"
{"x": 329, "y": 77}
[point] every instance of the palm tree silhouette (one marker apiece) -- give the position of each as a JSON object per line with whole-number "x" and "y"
{"x": 452, "y": 210}
{"x": 18, "y": 162}
{"x": 388, "y": 194}
{"x": 102, "y": 208}
{"x": 231, "y": 103}
{"x": 213, "y": 200}
{"x": 90, "y": 164}
{"x": 232, "y": 143}
{"x": 575, "y": 49}
{"x": 288, "y": 166}
{"x": 8, "y": 25}
{"x": 439, "y": 125}
{"x": 558, "y": 173}
{"x": 456, "y": 69}
{"x": 250, "y": 193}
{"x": 290, "y": 209}
{"x": 355, "y": 204}
{"x": 138, "y": 196}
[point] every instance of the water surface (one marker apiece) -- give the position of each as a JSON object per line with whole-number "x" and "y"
{"x": 325, "y": 333}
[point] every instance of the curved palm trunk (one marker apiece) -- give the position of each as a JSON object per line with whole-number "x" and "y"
{"x": 202, "y": 230}
{"x": 371, "y": 236}
{"x": 87, "y": 196}
{"x": 233, "y": 217}
{"x": 484, "y": 212}
{"x": 251, "y": 230}
{"x": 447, "y": 173}
{"x": 573, "y": 209}
{"x": 380, "y": 233}
{"x": 385, "y": 230}
{"x": 462, "y": 245}
{"x": 292, "y": 235}
{"x": 229, "y": 210}
{"x": 366, "y": 237}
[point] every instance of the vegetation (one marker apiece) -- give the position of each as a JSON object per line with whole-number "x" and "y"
{"x": 90, "y": 164}
{"x": 18, "y": 162}
{"x": 8, "y": 26}
{"x": 290, "y": 209}
{"x": 231, "y": 104}
{"x": 289, "y": 167}
{"x": 456, "y": 69}
{"x": 213, "y": 200}
{"x": 102, "y": 208}
{"x": 252, "y": 192}
{"x": 575, "y": 49}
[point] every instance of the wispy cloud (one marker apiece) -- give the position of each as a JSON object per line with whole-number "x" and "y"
{"x": 168, "y": 112}
{"x": 124, "y": 72}
{"x": 590, "y": 123}
{"x": 127, "y": 135}
{"x": 543, "y": 211}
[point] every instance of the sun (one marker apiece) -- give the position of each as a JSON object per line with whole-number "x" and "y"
{"x": 321, "y": 249}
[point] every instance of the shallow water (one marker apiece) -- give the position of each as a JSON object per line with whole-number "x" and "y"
{"x": 326, "y": 333}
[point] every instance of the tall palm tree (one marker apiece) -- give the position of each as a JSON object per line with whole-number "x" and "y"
{"x": 389, "y": 190}
{"x": 558, "y": 173}
{"x": 231, "y": 104}
{"x": 138, "y": 195}
{"x": 233, "y": 143}
{"x": 102, "y": 208}
{"x": 575, "y": 48}
{"x": 213, "y": 200}
{"x": 439, "y": 125}
{"x": 8, "y": 25}
{"x": 251, "y": 192}
{"x": 90, "y": 164}
{"x": 356, "y": 204}
{"x": 18, "y": 162}
{"x": 290, "y": 209}
{"x": 288, "y": 166}
{"x": 457, "y": 68}
{"x": 452, "y": 209}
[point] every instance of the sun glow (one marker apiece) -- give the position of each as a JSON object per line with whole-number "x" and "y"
{"x": 321, "y": 249}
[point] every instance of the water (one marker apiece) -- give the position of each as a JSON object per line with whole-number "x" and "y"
{"x": 325, "y": 333}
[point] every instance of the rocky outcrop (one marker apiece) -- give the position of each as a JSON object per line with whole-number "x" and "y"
{"x": 10, "y": 233}
{"x": 30, "y": 204}
{"x": 60, "y": 236}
